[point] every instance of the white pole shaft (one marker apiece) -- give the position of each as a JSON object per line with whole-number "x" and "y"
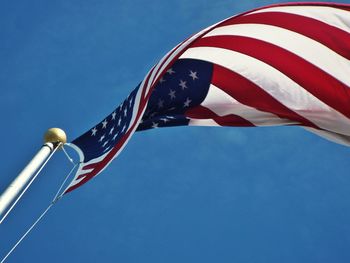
{"x": 14, "y": 189}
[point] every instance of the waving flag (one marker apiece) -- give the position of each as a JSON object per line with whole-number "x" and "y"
{"x": 286, "y": 64}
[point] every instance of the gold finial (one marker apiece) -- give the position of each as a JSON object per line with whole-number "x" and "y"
{"x": 55, "y": 135}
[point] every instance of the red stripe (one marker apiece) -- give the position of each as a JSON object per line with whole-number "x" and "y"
{"x": 155, "y": 81}
{"x": 248, "y": 93}
{"x": 330, "y": 36}
{"x": 146, "y": 83}
{"x": 201, "y": 112}
{"x": 319, "y": 83}
{"x": 341, "y": 6}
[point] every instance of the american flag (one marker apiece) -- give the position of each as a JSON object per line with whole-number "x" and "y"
{"x": 287, "y": 64}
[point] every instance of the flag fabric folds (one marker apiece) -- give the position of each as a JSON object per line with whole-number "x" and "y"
{"x": 287, "y": 64}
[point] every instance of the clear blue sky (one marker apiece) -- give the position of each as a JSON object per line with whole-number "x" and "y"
{"x": 186, "y": 194}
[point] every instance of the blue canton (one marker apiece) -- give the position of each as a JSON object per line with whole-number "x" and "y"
{"x": 184, "y": 86}
{"x": 107, "y": 133}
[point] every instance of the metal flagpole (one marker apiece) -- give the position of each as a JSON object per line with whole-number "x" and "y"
{"x": 53, "y": 139}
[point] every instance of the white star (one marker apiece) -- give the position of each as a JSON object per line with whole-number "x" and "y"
{"x": 119, "y": 121}
{"x": 94, "y": 130}
{"x": 161, "y": 80}
{"x": 104, "y": 144}
{"x": 154, "y": 125}
{"x": 115, "y": 136}
{"x": 153, "y": 114}
{"x": 182, "y": 84}
{"x": 111, "y": 131}
{"x": 104, "y": 124}
{"x": 130, "y": 102}
{"x": 102, "y": 138}
{"x": 124, "y": 127}
{"x": 125, "y": 112}
{"x": 170, "y": 71}
{"x": 193, "y": 74}
{"x": 172, "y": 94}
{"x": 113, "y": 115}
{"x": 164, "y": 119}
{"x": 160, "y": 103}
{"x": 105, "y": 150}
{"x": 187, "y": 102}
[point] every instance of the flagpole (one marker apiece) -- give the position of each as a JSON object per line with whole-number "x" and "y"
{"x": 53, "y": 139}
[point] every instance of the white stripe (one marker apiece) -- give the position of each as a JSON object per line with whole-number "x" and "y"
{"x": 183, "y": 46}
{"x": 76, "y": 180}
{"x": 310, "y": 50}
{"x": 175, "y": 52}
{"x": 279, "y": 86}
{"x": 223, "y": 104}
{"x": 80, "y": 170}
{"x": 332, "y": 16}
{"x": 200, "y": 122}
{"x": 136, "y": 106}
{"x": 152, "y": 77}
{"x": 334, "y": 137}
{"x": 156, "y": 71}
{"x": 145, "y": 85}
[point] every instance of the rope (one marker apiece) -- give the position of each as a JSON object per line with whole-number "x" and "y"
{"x": 57, "y": 197}
{"x": 27, "y": 232}
{"x": 68, "y": 157}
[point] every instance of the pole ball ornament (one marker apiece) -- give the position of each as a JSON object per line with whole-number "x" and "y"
{"x": 55, "y": 135}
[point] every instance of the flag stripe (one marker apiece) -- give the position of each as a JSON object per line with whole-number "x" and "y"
{"x": 335, "y": 137}
{"x": 138, "y": 99}
{"x": 201, "y": 112}
{"x": 202, "y": 122}
{"x": 330, "y": 36}
{"x": 279, "y": 86}
{"x": 310, "y": 50}
{"x": 170, "y": 58}
{"x": 155, "y": 74}
{"x": 322, "y": 85}
{"x": 337, "y": 16}
{"x": 222, "y": 104}
{"x": 248, "y": 93}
